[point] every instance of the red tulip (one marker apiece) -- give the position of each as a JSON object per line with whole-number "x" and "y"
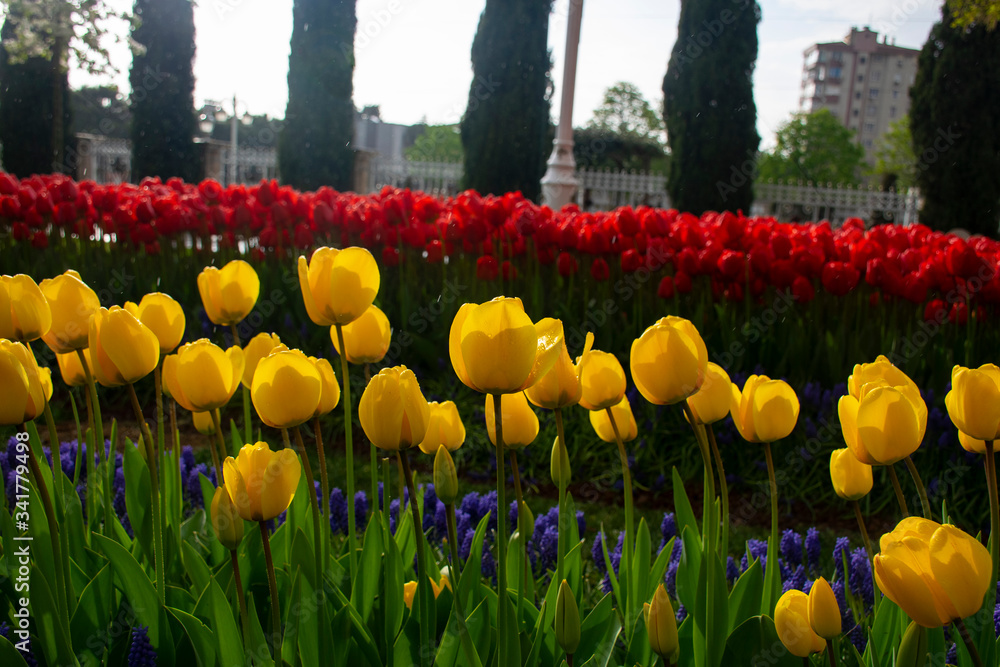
{"x": 803, "y": 290}
{"x": 839, "y": 278}
{"x": 599, "y": 269}
{"x": 486, "y": 268}
{"x": 507, "y": 270}
{"x": 682, "y": 282}
{"x": 567, "y": 264}
{"x": 390, "y": 256}
{"x": 666, "y": 288}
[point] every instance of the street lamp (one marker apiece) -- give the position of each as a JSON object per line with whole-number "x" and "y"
{"x": 207, "y": 123}
{"x": 559, "y": 182}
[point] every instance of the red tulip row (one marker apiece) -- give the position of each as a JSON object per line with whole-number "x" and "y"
{"x": 738, "y": 253}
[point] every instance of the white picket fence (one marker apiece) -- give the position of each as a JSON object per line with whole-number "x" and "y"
{"x": 604, "y": 190}
{"x": 805, "y": 201}
{"x": 435, "y": 178}
{"x": 252, "y": 165}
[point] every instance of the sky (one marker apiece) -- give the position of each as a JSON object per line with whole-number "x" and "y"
{"x": 413, "y": 56}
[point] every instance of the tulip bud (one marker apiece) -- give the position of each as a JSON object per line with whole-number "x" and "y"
{"x": 520, "y": 423}
{"x": 230, "y": 293}
{"x": 913, "y": 647}
{"x": 25, "y": 314}
{"x": 824, "y": 612}
{"x": 661, "y": 625}
{"x": 525, "y": 521}
{"x": 559, "y": 465}
{"x": 567, "y": 619}
{"x": 791, "y": 620}
{"x": 226, "y": 519}
{"x": 445, "y": 477}
{"x": 669, "y": 361}
{"x": 766, "y": 410}
{"x": 203, "y": 422}
{"x": 603, "y": 380}
{"x": 852, "y": 479}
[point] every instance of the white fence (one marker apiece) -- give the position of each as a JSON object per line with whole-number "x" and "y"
{"x": 801, "y": 202}
{"x": 435, "y": 178}
{"x": 252, "y": 165}
{"x": 604, "y": 190}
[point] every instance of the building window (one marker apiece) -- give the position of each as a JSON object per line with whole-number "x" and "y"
{"x": 876, "y": 76}
{"x": 869, "y": 127}
{"x": 899, "y": 63}
{"x": 835, "y": 72}
{"x": 892, "y": 112}
{"x": 855, "y": 113}
{"x": 873, "y": 93}
{"x": 857, "y": 95}
{"x": 863, "y": 59}
{"x": 895, "y": 94}
{"x": 861, "y": 78}
{"x": 872, "y": 110}
{"x": 869, "y": 143}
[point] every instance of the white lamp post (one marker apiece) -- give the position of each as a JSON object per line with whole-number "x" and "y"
{"x": 559, "y": 182}
{"x": 207, "y": 123}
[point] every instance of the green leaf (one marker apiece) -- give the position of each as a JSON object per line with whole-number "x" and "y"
{"x": 217, "y": 551}
{"x": 261, "y": 652}
{"x": 309, "y": 626}
{"x": 195, "y": 567}
{"x": 366, "y": 584}
{"x": 360, "y": 633}
{"x": 691, "y": 587}
{"x": 538, "y": 639}
{"x": 609, "y": 568}
{"x": 94, "y": 611}
{"x": 682, "y": 507}
{"x": 640, "y": 566}
{"x": 289, "y": 645}
{"x": 659, "y": 569}
{"x": 468, "y": 587}
{"x": 756, "y": 640}
{"x": 46, "y": 622}
{"x": 887, "y": 629}
{"x": 594, "y": 628}
{"x": 10, "y": 656}
{"x": 393, "y": 586}
{"x": 744, "y": 601}
{"x": 202, "y": 639}
{"x": 215, "y": 611}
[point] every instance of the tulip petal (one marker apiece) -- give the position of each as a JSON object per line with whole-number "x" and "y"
{"x": 775, "y": 410}
{"x": 502, "y": 340}
{"x": 961, "y": 566}
{"x": 416, "y": 413}
{"x": 745, "y": 428}
{"x": 280, "y": 479}
{"x": 903, "y": 576}
{"x": 888, "y": 425}
{"x": 237, "y": 488}
{"x": 14, "y": 380}
{"x": 550, "y": 344}
{"x": 381, "y": 411}
{"x": 455, "y": 344}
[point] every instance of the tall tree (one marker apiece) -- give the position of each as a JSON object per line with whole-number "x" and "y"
{"x": 626, "y": 112}
{"x": 505, "y": 131}
{"x": 162, "y": 79}
{"x": 956, "y": 128}
{"x": 315, "y": 144}
{"x": 31, "y": 142}
{"x": 895, "y": 161}
{"x": 813, "y": 147}
{"x": 708, "y": 105}
{"x": 968, "y": 12}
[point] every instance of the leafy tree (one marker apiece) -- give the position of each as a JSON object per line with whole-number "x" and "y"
{"x": 438, "y": 143}
{"x": 100, "y": 110}
{"x": 956, "y": 128}
{"x": 895, "y": 161}
{"x": 708, "y": 105}
{"x": 966, "y": 13}
{"x": 626, "y": 112}
{"x": 506, "y": 125}
{"x": 55, "y": 32}
{"x": 813, "y": 147}
{"x": 315, "y": 144}
{"x": 162, "y": 79}
{"x": 596, "y": 148}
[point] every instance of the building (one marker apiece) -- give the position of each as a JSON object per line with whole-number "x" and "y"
{"x": 864, "y": 82}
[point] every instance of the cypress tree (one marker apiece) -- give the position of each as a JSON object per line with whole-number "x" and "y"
{"x": 163, "y": 118}
{"x": 315, "y": 144}
{"x": 955, "y": 127}
{"x": 26, "y": 110}
{"x": 708, "y": 105}
{"x": 505, "y": 131}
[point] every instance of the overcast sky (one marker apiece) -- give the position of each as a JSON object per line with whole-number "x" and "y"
{"x": 413, "y": 55}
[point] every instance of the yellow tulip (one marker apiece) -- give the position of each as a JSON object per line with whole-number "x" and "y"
{"x": 974, "y": 401}
{"x": 123, "y": 350}
{"x": 444, "y": 427}
{"x": 765, "y": 411}
{"x": 711, "y": 403}
{"x": 560, "y": 387}
{"x": 25, "y": 315}
{"x": 45, "y": 377}
{"x": 852, "y": 479}
{"x": 935, "y": 573}
{"x": 72, "y": 303}
{"x": 338, "y": 286}
{"x": 203, "y": 422}
{"x": 71, "y": 369}
{"x": 161, "y": 313}
{"x": 259, "y": 347}
{"x": 287, "y": 389}
{"x": 393, "y": 411}
{"x": 824, "y": 612}
{"x": 971, "y": 444}
{"x": 496, "y": 349}
{"x": 624, "y": 420}
{"x": 445, "y": 476}
{"x": 661, "y": 625}
{"x": 260, "y": 482}
{"x": 520, "y": 423}
{"x": 200, "y": 376}
{"x": 880, "y": 370}
{"x": 22, "y": 393}
{"x": 330, "y": 395}
{"x": 366, "y": 338}
{"x": 883, "y": 424}
{"x": 226, "y": 519}
{"x": 230, "y": 293}
{"x": 603, "y": 380}
{"x": 669, "y": 361}
{"x": 410, "y": 589}
{"x": 791, "y": 620}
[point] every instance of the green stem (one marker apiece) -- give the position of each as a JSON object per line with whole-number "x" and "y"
{"x": 463, "y": 630}
{"x": 244, "y": 615}
{"x": 523, "y": 551}
{"x": 313, "y": 503}
{"x": 868, "y": 545}
{"x": 349, "y": 443}
{"x": 772, "y": 562}
{"x": 158, "y": 389}
{"x": 561, "y": 534}
{"x": 217, "y": 446}
{"x": 900, "y": 498}
{"x": 59, "y": 481}
{"x": 502, "y": 601}
{"x": 921, "y": 490}
{"x": 154, "y": 478}
{"x": 324, "y": 508}
{"x": 99, "y": 442}
{"x": 50, "y": 518}
{"x": 829, "y": 652}
{"x": 174, "y": 433}
{"x": 272, "y": 584}
{"x": 371, "y": 445}
{"x": 962, "y": 630}
{"x": 79, "y": 441}
{"x": 423, "y": 577}
{"x": 709, "y": 525}
{"x": 723, "y": 490}
{"x": 991, "y": 480}
{"x": 628, "y": 548}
